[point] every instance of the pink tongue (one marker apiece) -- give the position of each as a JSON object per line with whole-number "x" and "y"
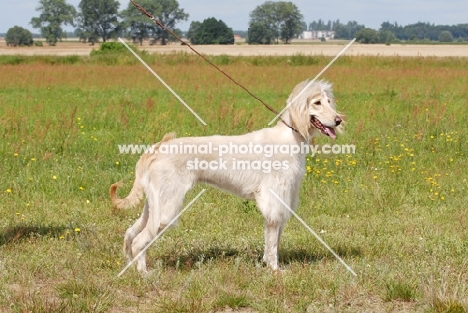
{"x": 330, "y": 132}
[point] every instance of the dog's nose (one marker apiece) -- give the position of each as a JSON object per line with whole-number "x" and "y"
{"x": 338, "y": 120}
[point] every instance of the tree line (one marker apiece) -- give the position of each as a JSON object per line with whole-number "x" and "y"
{"x": 390, "y": 32}
{"x": 269, "y": 23}
{"x": 97, "y": 20}
{"x": 425, "y": 31}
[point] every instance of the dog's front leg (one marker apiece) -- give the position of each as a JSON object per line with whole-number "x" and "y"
{"x": 272, "y": 236}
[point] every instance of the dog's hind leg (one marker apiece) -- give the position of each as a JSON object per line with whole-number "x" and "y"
{"x": 133, "y": 231}
{"x": 164, "y": 205}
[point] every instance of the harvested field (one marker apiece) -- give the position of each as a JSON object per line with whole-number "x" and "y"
{"x": 331, "y": 49}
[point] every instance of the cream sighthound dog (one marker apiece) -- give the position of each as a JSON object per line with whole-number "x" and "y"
{"x": 165, "y": 178}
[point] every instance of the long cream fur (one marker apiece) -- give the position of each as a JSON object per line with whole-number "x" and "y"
{"x": 165, "y": 178}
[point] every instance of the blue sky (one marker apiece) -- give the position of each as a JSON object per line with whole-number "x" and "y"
{"x": 235, "y": 14}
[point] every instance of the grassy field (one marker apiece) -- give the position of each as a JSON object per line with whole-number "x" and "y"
{"x": 395, "y": 211}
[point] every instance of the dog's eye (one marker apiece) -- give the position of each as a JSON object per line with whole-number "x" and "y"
{"x": 317, "y": 102}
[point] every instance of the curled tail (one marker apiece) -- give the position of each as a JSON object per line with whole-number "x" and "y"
{"x": 137, "y": 192}
{"x": 132, "y": 200}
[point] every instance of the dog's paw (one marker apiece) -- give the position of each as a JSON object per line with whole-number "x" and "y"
{"x": 146, "y": 274}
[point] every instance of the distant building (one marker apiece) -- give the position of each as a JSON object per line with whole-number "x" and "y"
{"x": 317, "y": 34}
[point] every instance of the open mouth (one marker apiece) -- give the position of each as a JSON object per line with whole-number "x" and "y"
{"x": 328, "y": 131}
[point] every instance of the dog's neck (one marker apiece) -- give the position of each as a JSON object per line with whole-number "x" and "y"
{"x": 298, "y": 137}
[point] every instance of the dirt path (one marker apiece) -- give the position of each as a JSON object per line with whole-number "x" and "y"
{"x": 74, "y": 48}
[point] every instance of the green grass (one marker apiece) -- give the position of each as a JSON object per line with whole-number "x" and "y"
{"x": 395, "y": 211}
{"x": 400, "y": 291}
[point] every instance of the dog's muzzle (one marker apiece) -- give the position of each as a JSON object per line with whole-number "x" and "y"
{"x": 326, "y": 130}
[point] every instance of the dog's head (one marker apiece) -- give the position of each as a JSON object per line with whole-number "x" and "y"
{"x": 313, "y": 110}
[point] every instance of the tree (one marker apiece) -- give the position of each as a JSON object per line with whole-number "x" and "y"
{"x": 263, "y": 18}
{"x": 389, "y": 32}
{"x": 98, "y": 19}
{"x": 193, "y": 29}
{"x": 169, "y": 15}
{"x": 54, "y": 13}
{"x": 367, "y": 35}
{"x": 290, "y": 21}
{"x": 259, "y": 34}
{"x": 459, "y": 31}
{"x": 18, "y": 36}
{"x": 313, "y": 25}
{"x": 445, "y": 36}
{"x": 141, "y": 27}
{"x": 347, "y": 31}
{"x": 277, "y": 20}
{"x": 211, "y": 31}
{"x": 386, "y": 36}
{"x": 138, "y": 26}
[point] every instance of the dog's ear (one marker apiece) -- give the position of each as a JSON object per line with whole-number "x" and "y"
{"x": 328, "y": 89}
{"x": 300, "y": 117}
{"x": 299, "y": 110}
